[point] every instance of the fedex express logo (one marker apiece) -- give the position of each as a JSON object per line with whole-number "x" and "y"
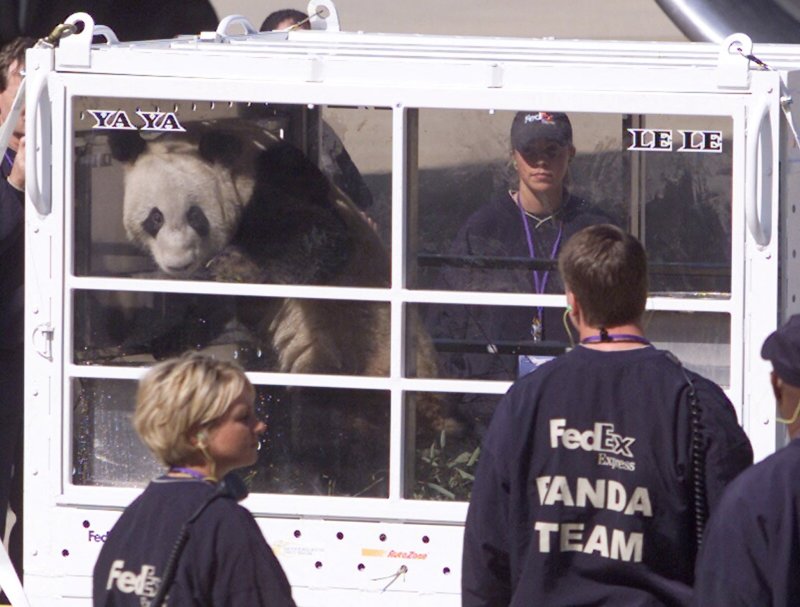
{"x": 601, "y": 438}
{"x": 119, "y": 120}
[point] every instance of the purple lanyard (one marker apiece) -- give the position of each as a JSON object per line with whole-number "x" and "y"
{"x": 606, "y": 337}
{"x": 188, "y": 471}
{"x": 538, "y": 284}
{"x": 10, "y": 161}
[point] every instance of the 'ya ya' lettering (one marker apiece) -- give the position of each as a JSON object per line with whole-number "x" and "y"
{"x": 118, "y": 120}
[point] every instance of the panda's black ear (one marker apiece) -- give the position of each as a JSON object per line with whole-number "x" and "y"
{"x": 286, "y": 167}
{"x": 220, "y": 147}
{"x": 126, "y": 145}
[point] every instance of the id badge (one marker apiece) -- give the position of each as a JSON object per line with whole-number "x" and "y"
{"x": 527, "y": 363}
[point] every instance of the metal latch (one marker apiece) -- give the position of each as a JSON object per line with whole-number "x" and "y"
{"x": 42, "y": 340}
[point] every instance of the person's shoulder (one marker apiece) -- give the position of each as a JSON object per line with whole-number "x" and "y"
{"x": 581, "y": 212}
{"x": 9, "y": 194}
{"x": 773, "y": 473}
{"x": 709, "y": 388}
{"x": 228, "y": 511}
{"x": 498, "y": 208}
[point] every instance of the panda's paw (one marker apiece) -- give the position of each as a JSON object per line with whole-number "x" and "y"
{"x": 233, "y": 265}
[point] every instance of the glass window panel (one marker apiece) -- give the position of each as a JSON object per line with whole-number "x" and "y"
{"x": 105, "y": 448}
{"x": 307, "y": 187}
{"x": 479, "y": 342}
{"x": 441, "y": 456}
{"x": 486, "y": 342}
{"x": 667, "y": 179}
{"x": 701, "y": 340}
{"x": 262, "y": 334}
{"x": 441, "y": 464}
{"x": 318, "y": 441}
{"x": 686, "y": 195}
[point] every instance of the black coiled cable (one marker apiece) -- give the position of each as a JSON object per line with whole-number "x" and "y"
{"x": 697, "y": 457}
{"x": 698, "y": 466}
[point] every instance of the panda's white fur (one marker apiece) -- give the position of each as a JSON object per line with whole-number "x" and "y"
{"x": 175, "y": 172}
{"x": 171, "y": 178}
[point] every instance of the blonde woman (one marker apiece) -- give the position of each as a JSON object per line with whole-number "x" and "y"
{"x": 196, "y": 415}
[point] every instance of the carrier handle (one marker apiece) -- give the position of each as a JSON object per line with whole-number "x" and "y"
{"x": 222, "y": 28}
{"x": 759, "y": 224}
{"x": 41, "y": 203}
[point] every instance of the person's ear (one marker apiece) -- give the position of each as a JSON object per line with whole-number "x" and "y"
{"x": 571, "y": 302}
{"x": 572, "y": 151}
{"x": 574, "y": 307}
{"x": 198, "y": 439}
{"x": 777, "y": 386}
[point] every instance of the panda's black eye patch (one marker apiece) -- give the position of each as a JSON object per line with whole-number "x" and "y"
{"x": 153, "y": 223}
{"x": 198, "y": 221}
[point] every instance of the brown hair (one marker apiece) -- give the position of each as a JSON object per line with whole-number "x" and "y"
{"x": 11, "y": 52}
{"x": 180, "y": 396}
{"x": 606, "y": 269}
{"x": 275, "y": 18}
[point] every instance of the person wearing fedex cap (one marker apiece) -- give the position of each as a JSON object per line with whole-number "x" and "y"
{"x": 751, "y": 552}
{"x": 531, "y": 219}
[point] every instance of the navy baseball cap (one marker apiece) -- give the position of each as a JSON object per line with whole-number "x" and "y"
{"x": 529, "y": 127}
{"x": 782, "y": 349}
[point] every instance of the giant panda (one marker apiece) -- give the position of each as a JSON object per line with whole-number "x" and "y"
{"x": 225, "y": 204}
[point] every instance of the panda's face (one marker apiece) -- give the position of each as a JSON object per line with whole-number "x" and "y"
{"x": 180, "y": 208}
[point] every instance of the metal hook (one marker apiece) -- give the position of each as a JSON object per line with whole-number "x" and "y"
{"x": 402, "y": 570}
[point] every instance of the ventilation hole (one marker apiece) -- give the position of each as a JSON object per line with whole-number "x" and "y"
{"x": 85, "y": 524}
{"x": 297, "y": 533}
{"x": 340, "y": 536}
{"x": 425, "y": 539}
{"x": 446, "y": 570}
{"x": 318, "y": 564}
{"x": 65, "y": 552}
{"x": 382, "y": 537}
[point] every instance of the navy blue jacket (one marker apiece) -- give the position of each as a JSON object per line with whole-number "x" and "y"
{"x": 751, "y": 552}
{"x": 226, "y": 561}
{"x": 583, "y": 490}
{"x": 12, "y": 258}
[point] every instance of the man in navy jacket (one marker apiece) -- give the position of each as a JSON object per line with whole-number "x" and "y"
{"x": 584, "y": 490}
{"x": 751, "y": 554}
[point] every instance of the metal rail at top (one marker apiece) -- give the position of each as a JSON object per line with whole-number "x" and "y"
{"x": 235, "y": 35}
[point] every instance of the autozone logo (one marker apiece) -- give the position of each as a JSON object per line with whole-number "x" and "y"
{"x": 600, "y": 438}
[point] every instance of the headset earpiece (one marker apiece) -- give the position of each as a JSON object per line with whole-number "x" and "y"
{"x": 201, "y": 437}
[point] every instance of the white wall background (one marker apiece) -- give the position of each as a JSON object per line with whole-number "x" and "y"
{"x": 591, "y": 19}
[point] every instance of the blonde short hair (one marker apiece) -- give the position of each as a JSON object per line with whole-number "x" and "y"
{"x": 181, "y": 396}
